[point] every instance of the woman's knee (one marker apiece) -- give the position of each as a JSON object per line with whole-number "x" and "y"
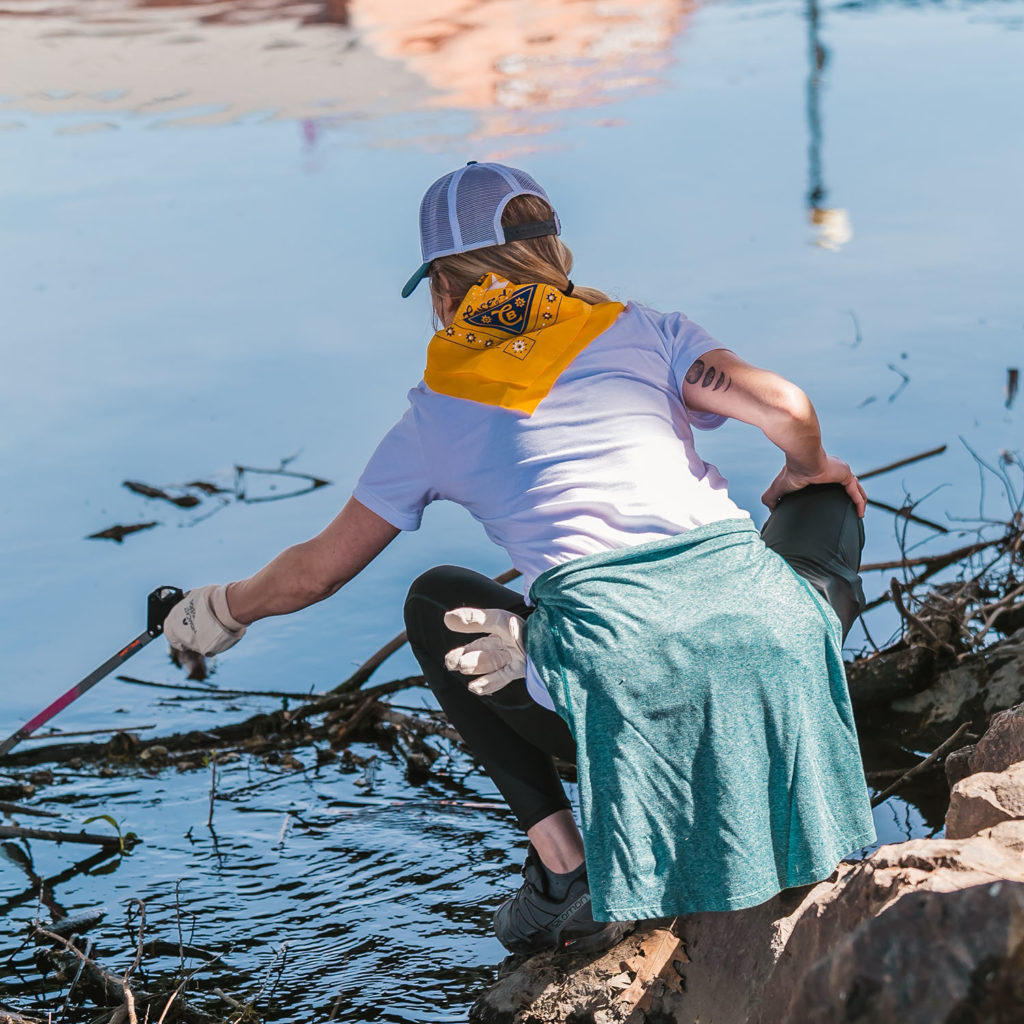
{"x": 818, "y": 532}
{"x": 818, "y": 523}
{"x": 428, "y": 600}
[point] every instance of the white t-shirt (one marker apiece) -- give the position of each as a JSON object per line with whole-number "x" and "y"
{"x": 606, "y": 460}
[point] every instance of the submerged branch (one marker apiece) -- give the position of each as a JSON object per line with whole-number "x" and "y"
{"x": 922, "y": 766}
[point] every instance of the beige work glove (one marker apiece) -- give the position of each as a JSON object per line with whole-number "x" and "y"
{"x": 201, "y": 622}
{"x": 495, "y": 659}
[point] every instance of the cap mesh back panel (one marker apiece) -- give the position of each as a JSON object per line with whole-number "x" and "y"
{"x": 479, "y": 194}
{"x": 479, "y": 190}
{"x": 435, "y": 227}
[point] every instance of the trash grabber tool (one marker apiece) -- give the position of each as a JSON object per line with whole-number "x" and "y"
{"x": 158, "y": 605}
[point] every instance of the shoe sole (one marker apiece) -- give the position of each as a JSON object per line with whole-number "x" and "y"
{"x": 596, "y": 941}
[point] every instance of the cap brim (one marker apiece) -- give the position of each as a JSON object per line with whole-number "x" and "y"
{"x": 411, "y": 284}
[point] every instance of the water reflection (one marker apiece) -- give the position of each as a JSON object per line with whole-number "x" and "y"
{"x": 508, "y": 61}
{"x": 833, "y": 223}
{"x": 513, "y": 60}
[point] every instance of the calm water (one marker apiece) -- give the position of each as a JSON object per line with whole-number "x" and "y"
{"x": 206, "y": 221}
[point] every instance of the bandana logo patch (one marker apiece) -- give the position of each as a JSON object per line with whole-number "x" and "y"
{"x": 505, "y": 313}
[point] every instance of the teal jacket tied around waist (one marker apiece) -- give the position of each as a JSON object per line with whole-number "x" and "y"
{"x": 703, "y": 682}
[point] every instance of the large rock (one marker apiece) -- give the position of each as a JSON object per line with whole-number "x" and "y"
{"x": 929, "y": 931}
{"x": 917, "y": 933}
{"x": 1009, "y": 834}
{"x": 748, "y": 966}
{"x": 1002, "y": 744}
{"x": 930, "y": 957}
{"x": 985, "y": 799}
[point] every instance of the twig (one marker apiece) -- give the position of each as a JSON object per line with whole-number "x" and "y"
{"x": 177, "y": 921}
{"x": 88, "y": 732}
{"x": 907, "y": 514}
{"x": 938, "y": 561}
{"x": 184, "y": 981}
{"x": 339, "y": 734}
{"x": 230, "y": 1000}
{"x": 897, "y": 599}
{"x": 996, "y": 608}
{"x": 129, "y": 999}
{"x": 212, "y": 691}
{"x": 17, "y": 832}
{"x": 10, "y": 1017}
{"x": 867, "y": 633}
{"x": 921, "y": 765}
{"x": 37, "y": 812}
{"x": 77, "y": 977}
{"x": 110, "y": 983}
{"x": 38, "y": 929}
{"x": 280, "y": 957}
{"x": 903, "y": 383}
{"x": 857, "y": 337}
{"x": 213, "y": 787}
{"x": 901, "y": 462}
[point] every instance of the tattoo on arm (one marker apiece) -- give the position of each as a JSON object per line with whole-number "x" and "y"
{"x": 708, "y": 377}
{"x": 695, "y": 372}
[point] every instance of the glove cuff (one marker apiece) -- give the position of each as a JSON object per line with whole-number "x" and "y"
{"x": 219, "y": 607}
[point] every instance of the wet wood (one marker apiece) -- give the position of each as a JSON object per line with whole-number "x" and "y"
{"x": 10, "y": 1017}
{"x": 104, "y": 988}
{"x": 207, "y": 691}
{"x": 37, "y": 812}
{"x": 87, "y": 732}
{"x": 181, "y": 500}
{"x": 46, "y": 835}
{"x": 281, "y": 728}
{"x": 900, "y": 463}
{"x": 922, "y": 766}
{"x": 890, "y": 675}
{"x": 118, "y": 533}
{"x": 906, "y": 513}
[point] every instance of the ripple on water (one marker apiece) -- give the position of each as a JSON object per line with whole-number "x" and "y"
{"x": 380, "y": 905}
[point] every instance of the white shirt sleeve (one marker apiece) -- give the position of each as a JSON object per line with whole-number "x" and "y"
{"x": 686, "y": 342}
{"x": 396, "y": 483}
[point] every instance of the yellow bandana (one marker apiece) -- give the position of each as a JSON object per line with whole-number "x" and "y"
{"x": 509, "y": 343}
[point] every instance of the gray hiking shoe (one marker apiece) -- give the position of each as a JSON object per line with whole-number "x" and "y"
{"x": 533, "y": 919}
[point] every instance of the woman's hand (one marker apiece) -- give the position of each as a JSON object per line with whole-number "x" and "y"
{"x": 835, "y": 472}
{"x": 203, "y": 623}
{"x": 496, "y": 658}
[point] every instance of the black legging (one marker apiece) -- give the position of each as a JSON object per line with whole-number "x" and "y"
{"x": 816, "y": 530}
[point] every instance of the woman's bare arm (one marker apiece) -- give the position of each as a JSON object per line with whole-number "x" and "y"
{"x": 315, "y": 569}
{"x": 720, "y": 382}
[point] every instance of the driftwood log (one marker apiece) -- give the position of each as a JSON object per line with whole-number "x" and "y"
{"x": 10, "y": 1017}
{"x": 281, "y": 729}
{"x": 918, "y": 697}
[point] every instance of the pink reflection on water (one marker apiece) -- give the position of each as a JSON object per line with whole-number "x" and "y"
{"x": 510, "y": 62}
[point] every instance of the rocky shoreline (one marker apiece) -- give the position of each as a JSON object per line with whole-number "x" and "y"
{"x": 929, "y": 931}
